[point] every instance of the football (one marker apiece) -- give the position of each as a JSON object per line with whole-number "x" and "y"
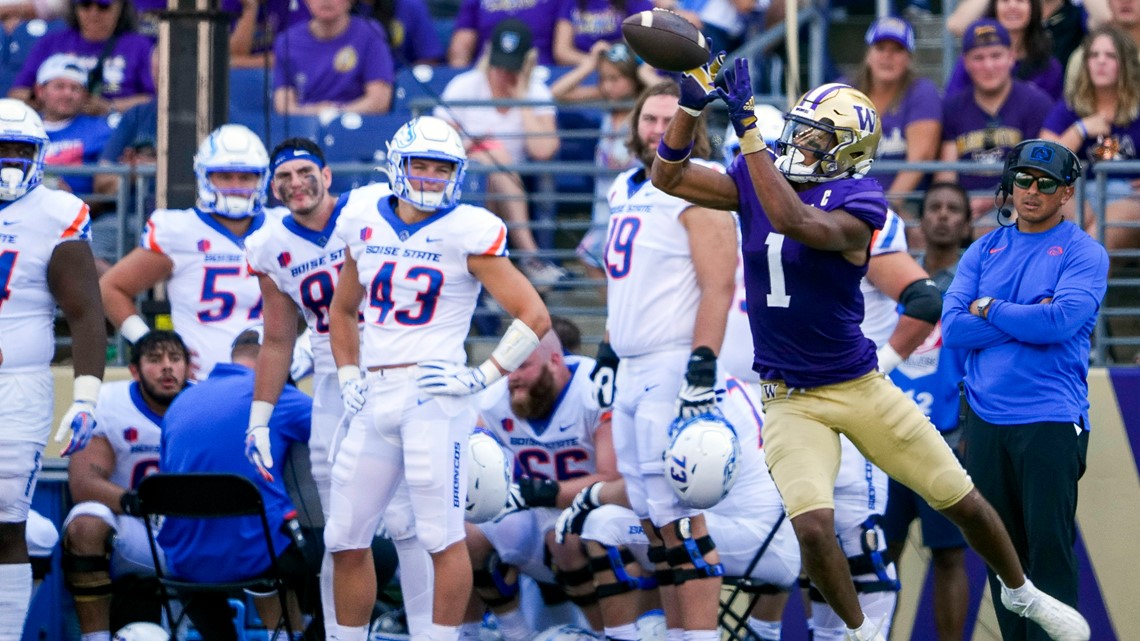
{"x": 665, "y": 40}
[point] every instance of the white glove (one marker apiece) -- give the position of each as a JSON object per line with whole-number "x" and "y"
{"x": 445, "y": 378}
{"x": 257, "y": 448}
{"x": 515, "y": 503}
{"x": 352, "y": 388}
{"x": 79, "y": 421}
{"x": 889, "y": 359}
{"x": 302, "y": 364}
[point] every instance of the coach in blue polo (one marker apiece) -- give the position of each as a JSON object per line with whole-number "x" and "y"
{"x": 1023, "y": 305}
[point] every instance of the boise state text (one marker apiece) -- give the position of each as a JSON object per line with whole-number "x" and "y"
{"x": 331, "y": 258}
{"x": 400, "y": 252}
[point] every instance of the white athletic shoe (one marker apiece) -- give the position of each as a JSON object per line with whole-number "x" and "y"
{"x": 1061, "y": 622}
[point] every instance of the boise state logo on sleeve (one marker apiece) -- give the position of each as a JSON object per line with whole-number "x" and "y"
{"x": 203, "y": 245}
{"x": 366, "y": 234}
{"x": 283, "y": 259}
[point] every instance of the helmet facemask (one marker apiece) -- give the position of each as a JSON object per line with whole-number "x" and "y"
{"x": 233, "y": 202}
{"x": 19, "y": 174}
{"x": 832, "y": 133}
{"x": 424, "y": 199}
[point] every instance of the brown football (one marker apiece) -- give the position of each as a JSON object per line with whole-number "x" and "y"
{"x": 665, "y": 40}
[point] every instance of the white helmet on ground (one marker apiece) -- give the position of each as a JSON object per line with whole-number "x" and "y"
{"x": 488, "y": 477}
{"x": 434, "y": 139}
{"x": 231, "y": 148}
{"x": 565, "y": 632}
{"x": 700, "y": 462}
{"x": 21, "y": 124}
{"x": 141, "y": 631}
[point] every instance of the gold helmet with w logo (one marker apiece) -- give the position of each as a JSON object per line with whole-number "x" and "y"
{"x": 832, "y": 132}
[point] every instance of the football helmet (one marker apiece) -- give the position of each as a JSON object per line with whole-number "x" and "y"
{"x": 565, "y": 632}
{"x": 488, "y": 477}
{"x": 769, "y": 119}
{"x": 700, "y": 462}
{"x": 837, "y": 126}
{"x": 20, "y": 123}
{"x": 141, "y": 631}
{"x": 231, "y": 148}
{"x": 432, "y": 138}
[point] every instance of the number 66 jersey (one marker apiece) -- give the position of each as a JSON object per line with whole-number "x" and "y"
{"x": 418, "y": 294}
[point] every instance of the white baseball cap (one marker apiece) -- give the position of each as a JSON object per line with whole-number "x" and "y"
{"x": 62, "y": 65}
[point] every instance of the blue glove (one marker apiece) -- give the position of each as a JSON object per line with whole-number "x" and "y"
{"x": 741, "y": 106}
{"x": 697, "y": 89}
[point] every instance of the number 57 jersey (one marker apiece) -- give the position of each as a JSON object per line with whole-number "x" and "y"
{"x": 418, "y": 294}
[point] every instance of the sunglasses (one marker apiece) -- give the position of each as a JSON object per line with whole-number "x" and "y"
{"x": 1045, "y": 184}
{"x": 87, "y": 4}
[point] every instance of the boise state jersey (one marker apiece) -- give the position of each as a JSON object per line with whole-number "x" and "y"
{"x": 652, "y": 291}
{"x": 880, "y": 312}
{"x": 213, "y": 296}
{"x": 419, "y": 295}
{"x": 804, "y": 304}
{"x": 32, "y": 227}
{"x": 132, "y": 429}
{"x": 559, "y": 447}
{"x": 743, "y": 410}
{"x": 736, "y": 350}
{"x": 305, "y": 265}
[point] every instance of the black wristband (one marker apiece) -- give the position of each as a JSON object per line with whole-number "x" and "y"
{"x": 606, "y": 356}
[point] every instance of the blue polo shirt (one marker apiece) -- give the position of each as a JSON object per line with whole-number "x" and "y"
{"x": 204, "y": 431}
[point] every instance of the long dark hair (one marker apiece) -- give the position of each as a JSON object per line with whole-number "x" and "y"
{"x": 1036, "y": 41}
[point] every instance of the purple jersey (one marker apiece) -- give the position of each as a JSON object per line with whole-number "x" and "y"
{"x": 596, "y": 20}
{"x": 539, "y": 15}
{"x": 334, "y": 70}
{"x": 1049, "y": 77}
{"x": 920, "y": 102}
{"x": 987, "y": 139}
{"x": 273, "y": 17}
{"x": 413, "y": 34}
{"x": 126, "y": 71}
{"x": 804, "y": 304}
{"x": 1122, "y": 144}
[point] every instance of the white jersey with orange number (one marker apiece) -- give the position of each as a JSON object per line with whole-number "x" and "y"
{"x": 418, "y": 293}
{"x": 305, "y": 265}
{"x": 30, "y": 230}
{"x": 213, "y": 296}
{"x": 652, "y": 291}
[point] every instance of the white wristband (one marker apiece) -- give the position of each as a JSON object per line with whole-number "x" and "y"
{"x": 86, "y": 389}
{"x": 259, "y": 413}
{"x": 517, "y": 343}
{"x": 889, "y": 359}
{"x": 347, "y": 373}
{"x": 134, "y": 328}
{"x": 696, "y": 113}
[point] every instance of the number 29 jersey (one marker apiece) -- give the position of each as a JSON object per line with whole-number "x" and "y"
{"x": 212, "y": 295}
{"x": 33, "y": 227}
{"x": 418, "y": 294}
{"x": 305, "y": 265}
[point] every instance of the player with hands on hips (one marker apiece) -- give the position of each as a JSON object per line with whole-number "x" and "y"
{"x": 415, "y": 260}
{"x": 46, "y": 261}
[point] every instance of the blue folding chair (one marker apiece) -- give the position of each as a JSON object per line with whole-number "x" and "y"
{"x": 274, "y": 128}
{"x": 421, "y": 83}
{"x": 355, "y": 138}
{"x": 251, "y": 90}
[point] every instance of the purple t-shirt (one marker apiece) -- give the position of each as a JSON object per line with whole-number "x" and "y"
{"x": 805, "y": 317}
{"x": 595, "y": 20}
{"x": 413, "y": 35}
{"x": 273, "y": 17}
{"x": 336, "y": 70}
{"x": 987, "y": 139}
{"x": 1050, "y": 78}
{"x": 126, "y": 71}
{"x": 539, "y": 15}
{"x": 921, "y": 102}
{"x": 1122, "y": 144}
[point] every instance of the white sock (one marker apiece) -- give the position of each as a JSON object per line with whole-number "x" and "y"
{"x": 674, "y": 634}
{"x": 627, "y": 632}
{"x": 347, "y": 632}
{"x": 325, "y": 581}
{"x": 866, "y": 631}
{"x": 514, "y": 626}
{"x": 416, "y": 584}
{"x": 702, "y": 635}
{"x": 470, "y": 631}
{"x": 1021, "y": 595}
{"x": 15, "y": 595}
{"x": 439, "y": 632}
{"x": 766, "y": 630}
{"x": 101, "y": 635}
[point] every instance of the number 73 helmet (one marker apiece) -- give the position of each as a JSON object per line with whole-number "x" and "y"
{"x": 833, "y": 132}
{"x": 700, "y": 461}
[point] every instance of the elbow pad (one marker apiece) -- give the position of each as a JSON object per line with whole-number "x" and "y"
{"x": 922, "y": 300}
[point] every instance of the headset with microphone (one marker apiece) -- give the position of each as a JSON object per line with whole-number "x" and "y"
{"x": 1055, "y": 159}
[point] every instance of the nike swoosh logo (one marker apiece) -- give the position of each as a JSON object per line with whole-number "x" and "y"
{"x": 10, "y": 222}
{"x": 432, "y": 240}
{"x": 997, "y": 249}
{"x": 649, "y": 387}
{"x": 563, "y": 428}
{"x": 421, "y": 401}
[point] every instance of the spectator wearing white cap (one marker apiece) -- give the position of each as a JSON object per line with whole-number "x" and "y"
{"x": 76, "y": 138}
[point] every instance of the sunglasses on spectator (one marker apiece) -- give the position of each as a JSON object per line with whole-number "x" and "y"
{"x": 88, "y": 4}
{"x": 1045, "y": 184}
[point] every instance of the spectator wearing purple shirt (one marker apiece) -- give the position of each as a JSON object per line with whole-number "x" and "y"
{"x": 982, "y": 125}
{"x": 257, "y": 25}
{"x": 408, "y": 25}
{"x": 1099, "y": 120}
{"x": 478, "y": 18}
{"x": 336, "y": 61}
{"x": 101, "y": 35}
{"x": 591, "y": 21}
{"x": 1031, "y": 44}
{"x": 910, "y": 110}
